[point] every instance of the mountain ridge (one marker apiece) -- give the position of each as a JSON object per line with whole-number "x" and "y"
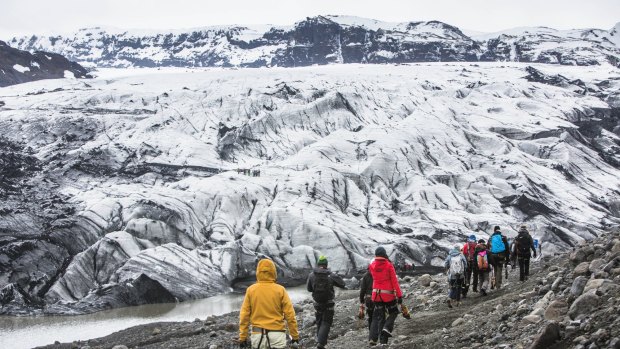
{"x": 327, "y": 40}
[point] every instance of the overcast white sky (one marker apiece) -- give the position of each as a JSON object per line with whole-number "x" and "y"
{"x": 19, "y": 17}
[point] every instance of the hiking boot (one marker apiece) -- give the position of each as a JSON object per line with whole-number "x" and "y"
{"x": 372, "y": 343}
{"x": 475, "y": 290}
{"x": 449, "y": 303}
{"x": 483, "y": 292}
{"x": 386, "y": 333}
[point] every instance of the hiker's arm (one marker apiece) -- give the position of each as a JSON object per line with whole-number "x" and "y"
{"x": 244, "y": 318}
{"x": 394, "y": 280}
{"x": 338, "y": 281}
{"x": 289, "y": 315}
{"x": 363, "y": 287}
{"x": 309, "y": 285}
{"x": 532, "y": 246}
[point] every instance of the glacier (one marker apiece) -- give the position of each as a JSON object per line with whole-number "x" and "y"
{"x": 143, "y": 183}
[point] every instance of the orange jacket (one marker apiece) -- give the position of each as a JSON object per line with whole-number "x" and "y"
{"x": 266, "y": 304}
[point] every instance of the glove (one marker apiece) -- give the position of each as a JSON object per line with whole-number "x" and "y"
{"x": 295, "y": 343}
{"x": 244, "y": 344}
{"x": 360, "y": 314}
{"x": 399, "y": 300}
{"x": 405, "y": 311}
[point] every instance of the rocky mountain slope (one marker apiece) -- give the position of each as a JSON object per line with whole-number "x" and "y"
{"x": 18, "y": 66}
{"x": 145, "y": 187}
{"x": 568, "y": 302}
{"x": 325, "y": 40}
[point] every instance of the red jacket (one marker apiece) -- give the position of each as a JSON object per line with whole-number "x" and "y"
{"x": 469, "y": 250}
{"x": 384, "y": 279}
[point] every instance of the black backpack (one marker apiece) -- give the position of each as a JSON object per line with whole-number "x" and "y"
{"x": 523, "y": 244}
{"x": 322, "y": 288}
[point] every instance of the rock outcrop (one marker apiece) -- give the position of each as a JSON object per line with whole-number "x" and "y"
{"x": 17, "y": 66}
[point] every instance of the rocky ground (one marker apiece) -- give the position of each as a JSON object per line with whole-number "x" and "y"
{"x": 570, "y": 300}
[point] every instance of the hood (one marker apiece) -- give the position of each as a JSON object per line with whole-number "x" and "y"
{"x": 321, "y": 270}
{"x": 523, "y": 231}
{"x": 266, "y": 271}
{"x": 455, "y": 252}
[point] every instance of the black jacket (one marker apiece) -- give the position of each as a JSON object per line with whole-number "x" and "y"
{"x": 335, "y": 280}
{"x": 366, "y": 287}
{"x": 524, "y": 243}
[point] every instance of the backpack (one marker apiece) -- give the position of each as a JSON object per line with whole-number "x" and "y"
{"x": 457, "y": 268}
{"x": 322, "y": 289}
{"x": 471, "y": 251}
{"x": 523, "y": 244}
{"x": 497, "y": 244}
{"x": 483, "y": 261}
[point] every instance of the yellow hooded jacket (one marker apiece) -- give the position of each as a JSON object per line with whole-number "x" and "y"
{"x": 267, "y": 304}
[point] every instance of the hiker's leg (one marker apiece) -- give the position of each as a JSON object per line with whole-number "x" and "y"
{"x": 370, "y": 307}
{"x": 378, "y": 317}
{"x": 319, "y": 316}
{"x": 459, "y": 286}
{"x": 388, "y": 326}
{"x": 475, "y": 280}
{"x": 521, "y": 269}
{"x": 277, "y": 340}
{"x": 526, "y": 264}
{"x": 484, "y": 280}
{"x": 326, "y": 323}
{"x": 498, "y": 275}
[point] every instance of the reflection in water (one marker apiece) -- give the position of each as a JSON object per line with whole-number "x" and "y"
{"x": 28, "y": 332}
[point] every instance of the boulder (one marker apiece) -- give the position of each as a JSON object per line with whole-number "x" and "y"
{"x": 549, "y": 335}
{"x": 582, "y": 269}
{"x": 583, "y": 305}
{"x": 596, "y": 265}
{"x": 458, "y": 322}
{"x": 594, "y": 284}
{"x": 556, "y": 310}
{"x": 578, "y": 285}
{"x": 577, "y": 257}
{"x": 533, "y": 319}
{"x": 556, "y": 284}
{"x": 425, "y": 280}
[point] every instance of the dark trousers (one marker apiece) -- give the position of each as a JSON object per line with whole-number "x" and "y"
{"x": 324, "y": 319}
{"x": 524, "y": 267}
{"x": 383, "y": 319}
{"x": 456, "y": 286}
{"x": 370, "y": 307}
{"x": 469, "y": 273}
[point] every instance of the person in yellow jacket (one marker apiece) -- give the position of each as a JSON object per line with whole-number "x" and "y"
{"x": 266, "y": 306}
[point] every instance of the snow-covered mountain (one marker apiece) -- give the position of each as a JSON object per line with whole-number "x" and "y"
{"x": 18, "y": 66}
{"x": 326, "y": 40}
{"x": 146, "y": 187}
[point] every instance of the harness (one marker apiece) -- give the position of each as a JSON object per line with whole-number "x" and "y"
{"x": 264, "y": 334}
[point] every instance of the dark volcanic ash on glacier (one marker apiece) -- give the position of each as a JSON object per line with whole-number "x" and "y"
{"x": 131, "y": 189}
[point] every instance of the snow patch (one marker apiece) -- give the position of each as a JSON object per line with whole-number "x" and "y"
{"x": 21, "y": 68}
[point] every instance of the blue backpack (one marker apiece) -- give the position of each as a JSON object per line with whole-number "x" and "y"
{"x": 497, "y": 244}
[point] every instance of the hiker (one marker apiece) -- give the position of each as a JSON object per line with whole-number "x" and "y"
{"x": 498, "y": 246}
{"x": 469, "y": 251}
{"x": 482, "y": 266}
{"x": 455, "y": 265}
{"x": 366, "y": 297}
{"x": 524, "y": 243}
{"x": 321, "y": 283}
{"x": 266, "y": 306}
{"x": 386, "y": 296}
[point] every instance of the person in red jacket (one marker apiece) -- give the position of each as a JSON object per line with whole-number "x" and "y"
{"x": 386, "y": 296}
{"x": 469, "y": 251}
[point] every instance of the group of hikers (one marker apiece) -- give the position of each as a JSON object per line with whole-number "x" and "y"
{"x": 248, "y": 172}
{"x": 484, "y": 263}
{"x": 267, "y": 307}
